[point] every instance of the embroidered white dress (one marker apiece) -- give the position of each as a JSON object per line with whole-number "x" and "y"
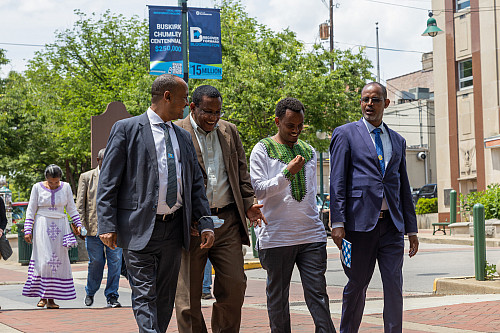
{"x": 49, "y": 272}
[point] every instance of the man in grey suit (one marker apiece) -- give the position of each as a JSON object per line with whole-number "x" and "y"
{"x": 150, "y": 189}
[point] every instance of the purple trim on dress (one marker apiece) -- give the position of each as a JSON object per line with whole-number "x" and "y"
{"x": 28, "y": 226}
{"x": 48, "y": 287}
{"x": 52, "y": 194}
{"x": 76, "y": 220}
{"x": 69, "y": 240}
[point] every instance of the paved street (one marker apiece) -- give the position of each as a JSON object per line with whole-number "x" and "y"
{"x": 424, "y": 311}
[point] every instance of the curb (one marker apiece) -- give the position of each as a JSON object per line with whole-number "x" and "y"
{"x": 466, "y": 285}
{"x": 252, "y": 264}
{"x": 490, "y": 242}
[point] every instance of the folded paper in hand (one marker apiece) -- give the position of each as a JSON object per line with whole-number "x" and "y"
{"x": 345, "y": 253}
{"x": 217, "y": 221}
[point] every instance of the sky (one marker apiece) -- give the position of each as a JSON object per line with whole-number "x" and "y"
{"x": 400, "y": 26}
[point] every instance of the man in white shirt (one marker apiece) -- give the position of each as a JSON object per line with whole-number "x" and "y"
{"x": 283, "y": 173}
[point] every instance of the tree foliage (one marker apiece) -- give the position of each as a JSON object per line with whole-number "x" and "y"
{"x": 261, "y": 66}
{"x": 100, "y": 60}
{"x": 45, "y": 111}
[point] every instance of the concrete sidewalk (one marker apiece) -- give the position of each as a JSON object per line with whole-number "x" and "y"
{"x": 422, "y": 312}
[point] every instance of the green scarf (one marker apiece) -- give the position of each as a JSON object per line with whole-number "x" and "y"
{"x": 285, "y": 154}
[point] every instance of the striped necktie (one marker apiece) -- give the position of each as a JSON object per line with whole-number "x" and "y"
{"x": 172, "y": 173}
{"x": 380, "y": 149}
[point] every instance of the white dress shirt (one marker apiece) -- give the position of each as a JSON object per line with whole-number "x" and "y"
{"x": 290, "y": 222}
{"x": 218, "y": 188}
{"x": 161, "y": 156}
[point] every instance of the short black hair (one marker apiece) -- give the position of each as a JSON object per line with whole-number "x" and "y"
{"x": 53, "y": 171}
{"x": 384, "y": 90}
{"x": 288, "y": 103}
{"x": 161, "y": 84}
{"x": 205, "y": 90}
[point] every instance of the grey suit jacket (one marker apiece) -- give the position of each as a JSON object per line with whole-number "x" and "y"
{"x": 127, "y": 195}
{"x": 86, "y": 200}
{"x": 236, "y": 168}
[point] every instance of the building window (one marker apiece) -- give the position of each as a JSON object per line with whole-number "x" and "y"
{"x": 465, "y": 74}
{"x": 462, "y": 4}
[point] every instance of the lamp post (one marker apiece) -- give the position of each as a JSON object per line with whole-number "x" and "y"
{"x": 322, "y": 136}
{"x": 432, "y": 28}
{"x": 378, "y": 58}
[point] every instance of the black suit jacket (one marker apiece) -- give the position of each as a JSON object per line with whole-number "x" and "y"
{"x": 127, "y": 194}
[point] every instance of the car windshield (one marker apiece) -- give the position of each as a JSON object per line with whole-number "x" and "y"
{"x": 427, "y": 189}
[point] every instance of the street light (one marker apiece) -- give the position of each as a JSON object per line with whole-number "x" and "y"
{"x": 322, "y": 136}
{"x": 432, "y": 29}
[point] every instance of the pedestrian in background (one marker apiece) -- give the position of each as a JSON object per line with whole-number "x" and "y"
{"x": 99, "y": 254}
{"x": 47, "y": 227}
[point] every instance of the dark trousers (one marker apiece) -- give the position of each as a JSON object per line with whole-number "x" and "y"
{"x": 311, "y": 262}
{"x": 384, "y": 244}
{"x": 229, "y": 284}
{"x": 152, "y": 274}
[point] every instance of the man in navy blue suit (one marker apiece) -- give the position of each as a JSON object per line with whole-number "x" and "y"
{"x": 371, "y": 207}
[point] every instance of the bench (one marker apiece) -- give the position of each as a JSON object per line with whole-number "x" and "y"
{"x": 441, "y": 226}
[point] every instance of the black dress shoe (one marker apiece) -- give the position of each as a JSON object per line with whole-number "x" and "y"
{"x": 113, "y": 303}
{"x": 89, "y": 300}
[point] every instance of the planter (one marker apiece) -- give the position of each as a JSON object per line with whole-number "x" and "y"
{"x": 460, "y": 229}
{"x": 424, "y": 221}
{"x": 489, "y": 228}
{"x": 496, "y": 230}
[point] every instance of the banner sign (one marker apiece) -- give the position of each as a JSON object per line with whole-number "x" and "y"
{"x": 165, "y": 46}
{"x": 205, "y": 53}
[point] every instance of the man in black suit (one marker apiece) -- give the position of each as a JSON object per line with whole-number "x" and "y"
{"x": 150, "y": 189}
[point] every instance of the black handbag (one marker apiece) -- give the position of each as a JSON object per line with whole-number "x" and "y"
{"x": 5, "y": 249}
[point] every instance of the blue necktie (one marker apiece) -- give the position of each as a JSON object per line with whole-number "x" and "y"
{"x": 172, "y": 173}
{"x": 380, "y": 149}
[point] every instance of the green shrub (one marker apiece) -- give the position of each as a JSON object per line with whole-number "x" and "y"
{"x": 490, "y": 199}
{"x": 426, "y": 206}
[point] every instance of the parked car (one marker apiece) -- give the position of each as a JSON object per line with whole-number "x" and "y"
{"x": 427, "y": 191}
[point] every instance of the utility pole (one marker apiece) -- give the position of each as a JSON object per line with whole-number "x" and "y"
{"x": 378, "y": 59}
{"x": 331, "y": 33}
{"x": 184, "y": 39}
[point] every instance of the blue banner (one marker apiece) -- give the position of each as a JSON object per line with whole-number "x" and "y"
{"x": 205, "y": 53}
{"x": 165, "y": 45}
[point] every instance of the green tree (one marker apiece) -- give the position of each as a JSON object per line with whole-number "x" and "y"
{"x": 45, "y": 112}
{"x": 100, "y": 60}
{"x": 3, "y": 61}
{"x": 261, "y": 66}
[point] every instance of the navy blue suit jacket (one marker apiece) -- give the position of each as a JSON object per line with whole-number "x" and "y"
{"x": 127, "y": 194}
{"x": 357, "y": 186}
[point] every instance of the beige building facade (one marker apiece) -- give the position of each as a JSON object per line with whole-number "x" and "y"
{"x": 467, "y": 97}
{"x": 411, "y": 114}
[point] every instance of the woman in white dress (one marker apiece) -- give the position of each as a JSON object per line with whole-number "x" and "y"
{"x": 46, "y": 225}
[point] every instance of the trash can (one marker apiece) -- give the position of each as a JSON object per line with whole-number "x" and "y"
{"x": 73, "y": 254}
{"x": 24, "y": 248}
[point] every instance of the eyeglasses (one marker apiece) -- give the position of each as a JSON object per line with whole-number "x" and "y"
{"x": 216, "y": 114}
{"x": 374, "y": 100}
